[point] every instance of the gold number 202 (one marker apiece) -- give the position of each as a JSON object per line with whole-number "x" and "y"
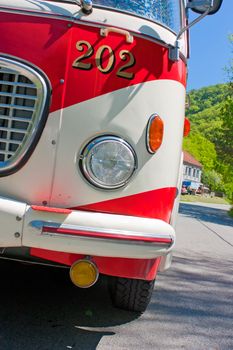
{"x": 124, "y": 55}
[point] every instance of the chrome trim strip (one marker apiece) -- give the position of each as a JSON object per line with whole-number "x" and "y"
{"x": 39, "y": 225}
{"x": 107, "y": 239}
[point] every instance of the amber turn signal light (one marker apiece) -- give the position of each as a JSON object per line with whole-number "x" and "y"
{"x": 187, "y": 127}
{"x": 155, "y": 129}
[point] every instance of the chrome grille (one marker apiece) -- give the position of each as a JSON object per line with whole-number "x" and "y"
{"x": 22, "y": 100}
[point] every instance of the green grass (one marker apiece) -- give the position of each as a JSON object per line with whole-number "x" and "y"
{"x": 231, "y": 212}
{"x": 203, "y": 199}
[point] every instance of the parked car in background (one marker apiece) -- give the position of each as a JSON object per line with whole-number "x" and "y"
{"x": 184, "y": 190}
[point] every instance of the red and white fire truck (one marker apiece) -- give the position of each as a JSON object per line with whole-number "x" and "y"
{"x": 92, "y": 99}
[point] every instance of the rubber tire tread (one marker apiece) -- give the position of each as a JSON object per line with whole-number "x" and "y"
{"x": 131, "y": 294}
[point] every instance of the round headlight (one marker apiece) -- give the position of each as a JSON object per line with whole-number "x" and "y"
{"x": 108, "y": 162}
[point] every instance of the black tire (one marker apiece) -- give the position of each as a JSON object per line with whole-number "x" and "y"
{"x": 131, "y": 294}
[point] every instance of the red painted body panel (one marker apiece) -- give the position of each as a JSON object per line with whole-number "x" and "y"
{"x": 86, "y": 84}
{"x": 51, "y": 45}
{"x": 153, "y": 204}
{"x": 40, "y": 41}
{"x": 128, "y": 268}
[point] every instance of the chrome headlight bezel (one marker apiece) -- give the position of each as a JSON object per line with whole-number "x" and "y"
{"x": 85, "y": 161}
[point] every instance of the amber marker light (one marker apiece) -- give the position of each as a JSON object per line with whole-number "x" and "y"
{"x": 187, "y": 127}
{"x": 155, "y": 129}
{"x": 84, "y": 273}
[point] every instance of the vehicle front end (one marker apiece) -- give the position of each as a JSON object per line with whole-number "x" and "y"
{"x": 91, "y": 128}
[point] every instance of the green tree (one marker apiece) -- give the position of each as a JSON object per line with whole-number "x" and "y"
{"x": 211, "y": 138}
{"x": 225, "y": 138}
{"x": 202, "y": 149}
{"x": 213, "y": 179}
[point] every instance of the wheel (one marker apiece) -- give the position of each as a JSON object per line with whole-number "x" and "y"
{"x": 131, "y": 294}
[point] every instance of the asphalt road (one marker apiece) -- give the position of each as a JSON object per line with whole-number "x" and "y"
{"x": 191, "y": 308}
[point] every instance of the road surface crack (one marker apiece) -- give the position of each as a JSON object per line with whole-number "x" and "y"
{"x": 216, "y": 233}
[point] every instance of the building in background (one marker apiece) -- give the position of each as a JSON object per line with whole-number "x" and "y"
{"x": 192, "y": 170}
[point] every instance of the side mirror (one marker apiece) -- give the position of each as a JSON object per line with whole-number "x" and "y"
{"x": 200, "y": 6}
{"x": 204, "y": 8}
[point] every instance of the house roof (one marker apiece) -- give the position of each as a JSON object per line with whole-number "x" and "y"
{"x": 188, "y": 158}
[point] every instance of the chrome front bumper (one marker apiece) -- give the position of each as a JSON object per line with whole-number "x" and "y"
{"x": 83, "y": 232}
